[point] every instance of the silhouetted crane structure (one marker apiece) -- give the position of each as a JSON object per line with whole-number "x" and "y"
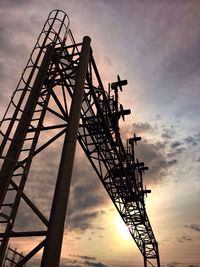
{"x": 61, "y": 93}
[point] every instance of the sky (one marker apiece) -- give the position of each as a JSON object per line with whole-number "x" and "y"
{"x": 155, "y": 45}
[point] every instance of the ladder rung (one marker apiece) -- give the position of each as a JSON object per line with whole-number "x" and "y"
{"x": 39, "y": 110}
{"x": 18, "y": 174}
{"x": 29, "y": 138}
{"x": 7, "y": 205}
{"x": 4, "y": 216}
{"x": 25, "y": 149}
{"x": 37, "y": 119}
{"x": 10, "y": 189}
{"x": 11, "y": 260}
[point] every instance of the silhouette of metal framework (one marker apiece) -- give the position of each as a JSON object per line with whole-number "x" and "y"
{"x": 59, "y": 94}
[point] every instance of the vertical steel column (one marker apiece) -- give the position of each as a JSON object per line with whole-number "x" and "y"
{"x": 144, "y": 255}
{"x": 158, "y": 256}
{"x": 52, "y": 249}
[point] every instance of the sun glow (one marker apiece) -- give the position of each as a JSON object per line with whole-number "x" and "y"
{"x": 122, "y": 228}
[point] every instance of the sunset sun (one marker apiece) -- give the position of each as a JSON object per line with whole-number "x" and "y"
{"x": 122, "y": 228}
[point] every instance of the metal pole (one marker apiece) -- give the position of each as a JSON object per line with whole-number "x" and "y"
{"x": 158, "y": 257}
{"x": 144, "y": 255}
{"x": 52, "y": 249}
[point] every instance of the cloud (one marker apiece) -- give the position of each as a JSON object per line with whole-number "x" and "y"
{"x": 174, "y": 152}
{"x": 84, "y": 194}
{"x": 82, "y": 260}
{"x": 94, "y": 264}
{"x": 160, "y": 152}
{"x": 184, "y": 238}
{"x": 27, "y": 220}
{"x": 172, "y": 264}
{"x": 176, "y": 144}
{"x": 74, "y": 262}
{"x": 141, "y": 127}
{"x": 83, "y": 257}
{"x": 195, "y": 227}
{"x": 157, "y": 161}
{"x": 81, "y": 220}
{"x": 168, "y": 133}
{"x": 190, "y": 140}
{"x": 162, "y": 156}
{"x": 87, "y": 197}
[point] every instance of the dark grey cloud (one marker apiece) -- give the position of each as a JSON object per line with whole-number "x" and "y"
{"x": 176, "y": 144}
{"x": 87, "y": 197}
{"x": 83, "y": 257}
{"x": 175, "y": 152}
{"x": 94, "y": 264}
{"x": 35, "y": 262}
{"x": 157, "y": 161}
{"x": 27, "y": 220}
{"x": 73, "y": 261}
{"x": 141, "y": 127}
{"x": 172, "y": 264}
{"x": 194, "y": 226}
{"x": 168, "y": 132}
{"x": 184, "y": 238}
{"x": 190, "y": 140}
{"x": 84, "y": 192}
{"x": 167, "y": 135}
{"x": 82, "y": 261}
{"x": 197, "y": 136}
{"x": 39, "y": 188}
{"x": 161, "y": 145}
{"x": 178, "y": 147}
{"x": 172, "y": 162}
{"x": 160, "y": 156}
{"x": 81, "y": 220}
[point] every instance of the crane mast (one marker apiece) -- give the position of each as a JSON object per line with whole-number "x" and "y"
{"x": 61, "y": 93}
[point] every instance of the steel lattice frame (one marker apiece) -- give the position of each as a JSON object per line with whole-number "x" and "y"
{"x": 50, "y": 75}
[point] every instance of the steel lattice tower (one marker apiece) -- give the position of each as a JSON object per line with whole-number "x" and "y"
{"x": 63, "y": 72}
